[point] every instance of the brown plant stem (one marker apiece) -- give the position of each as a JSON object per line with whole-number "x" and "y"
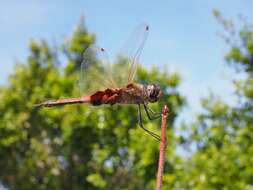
{"x": 162, "y": 148}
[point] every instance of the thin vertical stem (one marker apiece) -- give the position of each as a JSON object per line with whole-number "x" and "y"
{"x": 162, "y": 148}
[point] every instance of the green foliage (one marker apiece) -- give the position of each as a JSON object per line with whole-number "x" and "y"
{"x": 77, "y": 146}
{"x": 222, "y": 135}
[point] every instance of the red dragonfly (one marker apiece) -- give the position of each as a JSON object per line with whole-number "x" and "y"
{"x": 105, "y": 83}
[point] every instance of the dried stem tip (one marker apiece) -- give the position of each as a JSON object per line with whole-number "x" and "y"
{"x": 162, "y": 148}
{"x": 165, "y": 111}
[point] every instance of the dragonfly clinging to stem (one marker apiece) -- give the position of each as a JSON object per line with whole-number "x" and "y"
{"x": 105, "y": 83}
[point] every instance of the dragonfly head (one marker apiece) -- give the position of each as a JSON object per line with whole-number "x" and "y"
{"x": 154, "y": 92}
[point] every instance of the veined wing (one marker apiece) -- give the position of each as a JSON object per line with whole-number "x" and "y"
{"x": 125, "y": 66}
{"x": 95, "y": 72}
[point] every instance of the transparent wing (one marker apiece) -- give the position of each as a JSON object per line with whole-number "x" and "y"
{"x": 127, "y": 60}
{"x": 95, "y": 72}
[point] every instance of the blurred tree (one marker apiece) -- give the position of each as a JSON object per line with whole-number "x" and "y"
{"x": 76, "y": 147}
{"x": 223, "y": 135}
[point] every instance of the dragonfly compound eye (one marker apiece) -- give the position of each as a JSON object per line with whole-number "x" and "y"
{"x": 153, "y": 92}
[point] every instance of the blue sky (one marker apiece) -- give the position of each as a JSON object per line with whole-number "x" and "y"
{"x": 183, "y": 35}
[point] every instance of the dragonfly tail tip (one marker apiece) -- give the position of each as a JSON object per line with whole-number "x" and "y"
{"x": 38, "y": 105}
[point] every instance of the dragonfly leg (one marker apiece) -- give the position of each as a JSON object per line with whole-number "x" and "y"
{"x": 155, "y": 114}
{"x": 141, "y": 125}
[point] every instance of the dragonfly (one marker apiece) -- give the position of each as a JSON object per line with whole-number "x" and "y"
{"x": 106, "y": 83}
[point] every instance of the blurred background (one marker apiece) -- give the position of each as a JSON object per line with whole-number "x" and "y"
{"x": 200, "y": 52}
